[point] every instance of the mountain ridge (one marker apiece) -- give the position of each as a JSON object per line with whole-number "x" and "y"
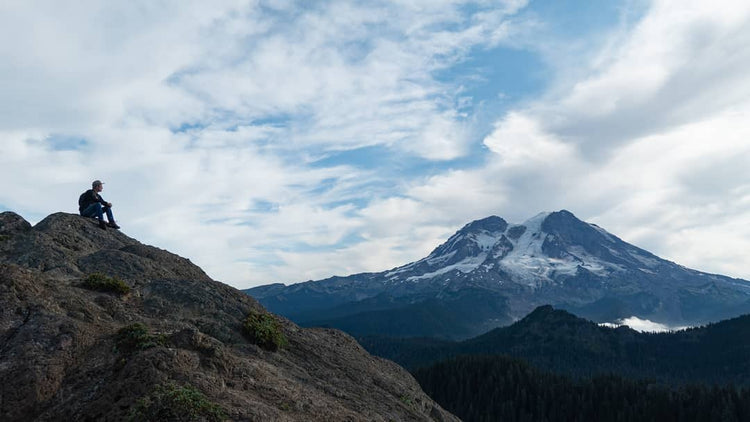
{"x": 551, "y": 258}
{"x": 558, "y": 341}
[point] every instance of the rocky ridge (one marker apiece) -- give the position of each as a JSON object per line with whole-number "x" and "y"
{"x": 59, "y": 355}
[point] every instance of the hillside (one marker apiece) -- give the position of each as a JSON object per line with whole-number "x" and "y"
{"x": 555, "y": 340}
{"x": 166, "y": 341}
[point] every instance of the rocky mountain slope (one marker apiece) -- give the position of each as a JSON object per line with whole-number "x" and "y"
{"x": 167, "y": 342}
{"x": 491, "y": 273}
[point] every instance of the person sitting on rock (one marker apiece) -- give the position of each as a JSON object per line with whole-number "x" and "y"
{"x": 90, "y": 204}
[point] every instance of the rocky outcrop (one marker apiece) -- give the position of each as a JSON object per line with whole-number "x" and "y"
{"x": 61, "y": 355}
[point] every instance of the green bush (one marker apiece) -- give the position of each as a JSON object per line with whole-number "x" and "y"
{"x": 265, "y": 331}
{"x": 4, "y": 237}
{"x": 102, "y": 283}
{"x": 171, "y": 402}
{"x": 135, "y": 337}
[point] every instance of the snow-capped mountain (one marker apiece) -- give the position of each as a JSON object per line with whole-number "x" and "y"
{"x": 544, "y": 250}
{"x": 528, "y": 253}
{"x": 491, "y": 273}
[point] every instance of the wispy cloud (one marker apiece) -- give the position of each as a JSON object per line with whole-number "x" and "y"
{"x": 284, "y": 141}
{"x": 645, "y": 138}
{"x": 209, "y": 121}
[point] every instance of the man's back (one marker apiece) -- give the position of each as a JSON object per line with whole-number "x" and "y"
{"x": 87, "y": 198}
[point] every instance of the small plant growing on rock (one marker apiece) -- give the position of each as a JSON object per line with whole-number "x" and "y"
{"x": 102, "y": 283}
{"x": 136, "y": 337}
{"x": 407, "y": 400}
{"x": 171, "y": 402}
{"x": 4, "y": 237}
{"x": 264, "y": 330}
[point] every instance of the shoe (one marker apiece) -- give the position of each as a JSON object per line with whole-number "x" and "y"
{"x": 102, "y": 225}
{"x": 113, "y": 225}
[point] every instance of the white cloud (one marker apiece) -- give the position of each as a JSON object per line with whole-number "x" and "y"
{"x": 683, "y": 194}
{"x": 650, "y": 143}
{"x": 681, "y": 62}
{"x": 644, "y": 325}
{"x": 204, "y": 119}
{"x": 207, "y": 121}
{"x": 519, "y": 141}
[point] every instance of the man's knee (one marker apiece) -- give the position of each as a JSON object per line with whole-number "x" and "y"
{"x": 92, "y": 210}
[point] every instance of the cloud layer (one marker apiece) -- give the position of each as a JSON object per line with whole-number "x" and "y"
{"x": 285, "y": 141}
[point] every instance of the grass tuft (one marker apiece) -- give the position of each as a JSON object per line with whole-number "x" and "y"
{"x": 135, "y": 337}
{"x": 101, "y": 283}
{"x": 171, "y": 402}
{"x": 265, "y": 331}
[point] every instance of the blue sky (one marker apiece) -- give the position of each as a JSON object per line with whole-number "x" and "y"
{"x": 288, "y": 140}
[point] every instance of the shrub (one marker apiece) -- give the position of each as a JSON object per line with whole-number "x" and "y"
{"x": 174, "y": 403}
{"x": 102, "y": 283}
{"x": 135, "y": 337}
{"x": 264, "y": 330}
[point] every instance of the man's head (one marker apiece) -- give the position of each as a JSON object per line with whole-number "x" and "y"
{"x": 97, "y": 185}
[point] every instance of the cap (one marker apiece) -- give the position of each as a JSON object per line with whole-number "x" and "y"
{"x": 96, "y": 183}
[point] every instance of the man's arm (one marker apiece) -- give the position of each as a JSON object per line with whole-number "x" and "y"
{"x": 103, "y": 202}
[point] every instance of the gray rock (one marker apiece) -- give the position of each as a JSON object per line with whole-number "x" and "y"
{"x": 59, "y": 356}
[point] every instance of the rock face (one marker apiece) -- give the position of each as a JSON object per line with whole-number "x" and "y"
{"x": 491, "y": 273}
{"x": 62, "y": 356}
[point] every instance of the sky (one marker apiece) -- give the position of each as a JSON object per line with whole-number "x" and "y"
{"x": 284, "y": 141}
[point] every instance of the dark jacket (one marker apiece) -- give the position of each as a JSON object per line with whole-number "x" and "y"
{"x": 87, "y": 198}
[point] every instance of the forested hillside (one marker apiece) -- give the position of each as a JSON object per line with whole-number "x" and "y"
{"x": 495, "y": 388}
{"x": 560, "y": 342}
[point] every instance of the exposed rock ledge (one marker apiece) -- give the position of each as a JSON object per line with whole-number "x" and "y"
{"x": 58, "y": 354}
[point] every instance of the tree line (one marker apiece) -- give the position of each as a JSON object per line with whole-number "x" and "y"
{"x": 501, "y": 388}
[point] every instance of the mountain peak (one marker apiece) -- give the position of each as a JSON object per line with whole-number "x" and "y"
{"x": 472, "y": 240}
{"x": 553, "y": 257}
{"x": 548, "y": 314}
{"x": 563, "y": 213}
{"x": 490, "y": 224}
{"x": 559, "y": 219}
{"x": 547, "y": 245}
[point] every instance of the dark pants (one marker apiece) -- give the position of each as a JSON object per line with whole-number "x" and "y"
{"x": 97, "y": 210}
